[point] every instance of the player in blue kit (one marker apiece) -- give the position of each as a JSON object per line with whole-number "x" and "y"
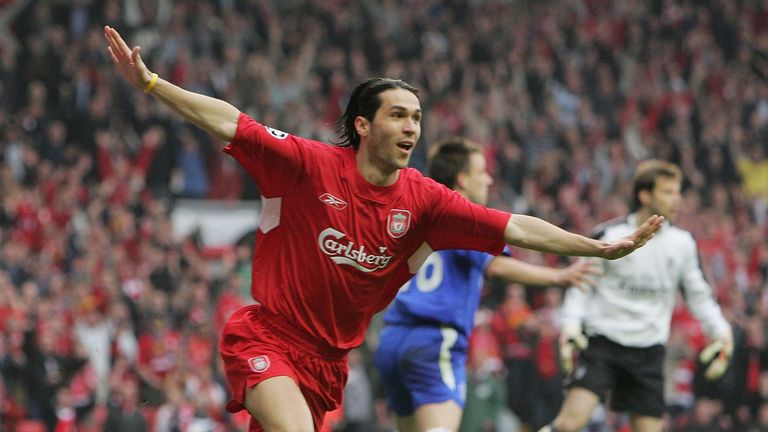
{"x": 422, "y": 352}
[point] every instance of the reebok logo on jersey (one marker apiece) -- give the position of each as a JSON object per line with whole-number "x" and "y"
{"x": 332, "y": 201}
{"x": 259, "y": 364}
{"x": 345, "y": 252}
{"x": 276, "y": 133}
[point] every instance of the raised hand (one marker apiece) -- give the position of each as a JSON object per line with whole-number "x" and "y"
{"x": 127, "y": 60}
{"x": 217, "y": 117}
{"x": 625, "y": 246}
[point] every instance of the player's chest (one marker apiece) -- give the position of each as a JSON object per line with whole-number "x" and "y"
{"x": 338, "y": 214}
{"x": 659, "y": 259}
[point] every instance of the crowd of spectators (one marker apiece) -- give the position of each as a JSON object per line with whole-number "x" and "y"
{"x": 109, "y": 322}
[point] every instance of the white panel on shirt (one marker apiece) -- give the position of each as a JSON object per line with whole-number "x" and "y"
{"x": 270, "y": 213}
{"x": 418, "y": 258}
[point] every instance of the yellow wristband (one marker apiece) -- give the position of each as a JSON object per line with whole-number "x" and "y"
{"x": 151, "y": 84}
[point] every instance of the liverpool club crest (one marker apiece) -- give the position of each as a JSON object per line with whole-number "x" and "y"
{"x": 398, "y": 222}
{"x": 259, "y": 364}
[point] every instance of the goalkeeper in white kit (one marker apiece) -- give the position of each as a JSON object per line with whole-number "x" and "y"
{"x": 620, "y": 327}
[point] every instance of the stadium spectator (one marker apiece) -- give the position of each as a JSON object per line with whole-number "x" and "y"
{"x": 515, "y": 328}
{"x": 125, "y": 409}
{"x": 486, "y": 392}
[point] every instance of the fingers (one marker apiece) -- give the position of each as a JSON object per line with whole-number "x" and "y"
{"x": 118, "y": 50}
{"x": 569, "y": 344}
{"x": 109, "y": 36}
{"x": 710, "y": 350}
{"x": 590, "y": 267}
{"x": 114, "y": 49}
{"x": 585, "y": 283}
{"x": 596, "y": 270}
{"x": 646, "y": 231}
{"x": 716, "y": 370}
{"x": 582, "y": 275}
{"x": 136, "y": 57}
{"x": 116, "y": 41}
{"x": 720, "y": 348}
{"x": 566, "y": 357}
{"x": 650, "y": 226}
{"x": 580, "y": 341}
{"x": 647, "y": 226}
{"x": 112, "y": 56}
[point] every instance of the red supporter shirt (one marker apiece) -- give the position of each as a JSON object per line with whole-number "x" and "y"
{"x": 333, "y": 249}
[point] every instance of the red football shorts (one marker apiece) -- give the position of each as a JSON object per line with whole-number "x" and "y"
{"x": 257, "y": 345}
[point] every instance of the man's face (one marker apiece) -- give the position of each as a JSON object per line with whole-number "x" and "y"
{"x": 474, "y": 182}
{"x": 664, "y": 199}
{"x": 394, "y": 131}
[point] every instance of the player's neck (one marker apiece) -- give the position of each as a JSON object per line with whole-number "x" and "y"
{"x": 374, "y": 173}
{"x": 642, "y": 215}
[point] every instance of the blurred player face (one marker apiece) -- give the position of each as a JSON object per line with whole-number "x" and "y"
{"x": 474, "y": 182}
{"x": 664, "y": 199}
{"x": 390, "y": 138}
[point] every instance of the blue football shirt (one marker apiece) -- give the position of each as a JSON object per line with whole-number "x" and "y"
{"x": 445, "y": 291}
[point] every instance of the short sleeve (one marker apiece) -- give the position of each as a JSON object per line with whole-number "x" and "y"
{"x": 273, "y": 158}
{"x": 457, "y": 223}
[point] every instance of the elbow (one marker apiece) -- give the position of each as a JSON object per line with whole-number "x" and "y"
{"x": 230, "y": 129}
{"x": 514, "y": 234}
{"x": 224, "y": 131}
{"x": 492, "y": 271}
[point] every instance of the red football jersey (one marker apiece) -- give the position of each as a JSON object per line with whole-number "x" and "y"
{"x": 333, "y": 249}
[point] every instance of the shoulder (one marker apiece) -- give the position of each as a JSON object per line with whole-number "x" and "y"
{"x": 248, "y": 126}
{"x": 680, "y": 236}
{"x": 424, "y": 189}
{"x": 415, "y": 178}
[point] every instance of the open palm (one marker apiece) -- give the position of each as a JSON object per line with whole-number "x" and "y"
{"x": 627, "y": 245}
{"x": 127, "y": 60}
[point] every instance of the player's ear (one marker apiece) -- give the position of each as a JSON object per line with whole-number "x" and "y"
{"x": 461, "y": 180}
{"x": 362, "y": 125}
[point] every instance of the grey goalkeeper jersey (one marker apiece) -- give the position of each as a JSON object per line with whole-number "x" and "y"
{"x": 633, "y": 301}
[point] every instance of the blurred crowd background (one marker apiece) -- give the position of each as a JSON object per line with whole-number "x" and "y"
{"x": 110, "y": 322}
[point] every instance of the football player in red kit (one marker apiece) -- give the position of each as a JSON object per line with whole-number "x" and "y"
{"x": 342, "y": 228}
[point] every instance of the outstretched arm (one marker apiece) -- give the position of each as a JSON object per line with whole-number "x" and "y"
{"x": 533, "y": 233}
{"x": 215, "y": 116}
{"x": 511, "y": 270}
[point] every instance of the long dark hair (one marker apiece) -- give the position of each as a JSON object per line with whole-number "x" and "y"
{"x": 365, "y": 101}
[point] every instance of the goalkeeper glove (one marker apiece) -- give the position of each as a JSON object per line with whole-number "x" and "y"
{"x": 571, "y": 339}
{"x": 717, "y": 355}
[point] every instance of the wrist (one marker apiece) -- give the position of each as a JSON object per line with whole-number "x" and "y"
{"x": 150, "y": 85}
{"x": 561, "y": 279}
